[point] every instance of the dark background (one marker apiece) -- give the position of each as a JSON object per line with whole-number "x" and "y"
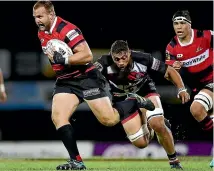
{"x": 145, "y": 25}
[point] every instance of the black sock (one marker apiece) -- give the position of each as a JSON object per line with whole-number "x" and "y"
{"x": 207, "y": 123}
{"x": 66, "y": 133}
{"x": 172, "y": 157}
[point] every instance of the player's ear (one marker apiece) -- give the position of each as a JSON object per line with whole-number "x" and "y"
{"x": 51, "y": 15}
{"x": 189, "y": 26}
{"x": 129, "y": 52}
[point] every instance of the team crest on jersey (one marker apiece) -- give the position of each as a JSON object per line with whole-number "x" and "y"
{"x": 199, "y": 49}
{"x": 167, "y": 55}
{"x": 138, "y": 75}
{"x": 179, "y": 55}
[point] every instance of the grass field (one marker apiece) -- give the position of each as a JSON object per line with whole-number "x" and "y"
{"x": 189, "y": 164}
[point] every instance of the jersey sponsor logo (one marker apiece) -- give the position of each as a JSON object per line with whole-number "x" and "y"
{"x": 179, "y": 55}
{"x": 61, "y": 51}
{"x": 196, "y": 60}
{"x": 199, "y": 49}
{"x": 72, "y": 34}
{"x": 91, "y": 92}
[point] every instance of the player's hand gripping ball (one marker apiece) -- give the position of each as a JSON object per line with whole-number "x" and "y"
{"x": 58, "y": 51}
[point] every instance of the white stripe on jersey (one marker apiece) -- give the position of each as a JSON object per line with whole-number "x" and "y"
{"x": 196, "y": 60}
{"x": 72, "y": 34}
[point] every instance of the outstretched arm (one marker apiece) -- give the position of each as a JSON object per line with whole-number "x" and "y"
{"x": 3, "y": 96}
{"x": 173, "y": 76}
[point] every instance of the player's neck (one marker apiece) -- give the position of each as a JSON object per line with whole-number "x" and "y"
{"x": 187, "y": 38}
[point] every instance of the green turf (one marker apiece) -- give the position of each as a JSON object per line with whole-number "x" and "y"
{"x": 189, "y": 164}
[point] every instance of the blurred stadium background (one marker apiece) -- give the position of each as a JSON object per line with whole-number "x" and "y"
{"x": 26, "y": 130}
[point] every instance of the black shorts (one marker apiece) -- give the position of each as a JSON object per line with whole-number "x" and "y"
{"x": 90, "y": 86}
{"x": 148, "y": 89}
{"x": 145, "y": 91}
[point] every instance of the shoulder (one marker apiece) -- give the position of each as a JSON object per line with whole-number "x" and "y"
{"x": 140, "y": 56}
{"x": 171, "y": 45}
{"x": 203, "y": 33}
{"x": 65, "y": 27}
{"x": 106, "y": 60}
{"x": 173, "y": 42}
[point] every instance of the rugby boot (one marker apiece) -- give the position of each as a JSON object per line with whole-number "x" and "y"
{"x": 72, "y": 165}
{"x": 142, "y": 102}
{"x": 212, "y": 163}
{"x": 175, "y": 164}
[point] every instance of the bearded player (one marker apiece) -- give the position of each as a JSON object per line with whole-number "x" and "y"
{"x": 78, "y": 80}
{"x": 128, "y": 73}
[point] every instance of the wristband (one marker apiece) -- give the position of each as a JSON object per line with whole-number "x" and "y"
{"x": 181, "y": 90}
{"x": 2, "y": 88}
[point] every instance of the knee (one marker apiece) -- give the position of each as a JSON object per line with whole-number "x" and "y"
{"x": 157, "y": 124}
{"x": 107, "y": 121}
{"x": 58, "y": 119}
{"x": 141, "y": 143}
{"x": 141, "y": 138}
{"x": 196, "y": 109}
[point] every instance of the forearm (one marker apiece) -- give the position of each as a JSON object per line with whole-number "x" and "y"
{"x": 173, "y": 76}
{"x": 80, "y": 58}
{"x": 2, "y": 88}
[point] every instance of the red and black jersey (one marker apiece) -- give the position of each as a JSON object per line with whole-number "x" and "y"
{"x": 196, "y": 56}
{"x": 137, "y": 76}
{"x": 70, "y": 34}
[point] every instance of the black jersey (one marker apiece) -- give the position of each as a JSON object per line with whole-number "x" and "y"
{"x": 137, "y": 77}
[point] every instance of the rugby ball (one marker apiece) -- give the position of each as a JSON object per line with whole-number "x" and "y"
{"x": 59, "y": 46}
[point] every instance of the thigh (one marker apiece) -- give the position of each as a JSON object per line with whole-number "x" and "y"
{"x": 155, "y": 98}
{"x": 208, "y": 91}
{"x": 133, "y": 125}
{"x": 155, "y": 116}
{"x": 64, "y": 102}
{"x": 102, "y": 108}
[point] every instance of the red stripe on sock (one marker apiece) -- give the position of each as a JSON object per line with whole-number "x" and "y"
{"x": 78, "y": 158}
{"x": 208, "y": 125}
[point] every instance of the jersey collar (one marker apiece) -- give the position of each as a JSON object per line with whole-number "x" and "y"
{"x": 52, "y": 27}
